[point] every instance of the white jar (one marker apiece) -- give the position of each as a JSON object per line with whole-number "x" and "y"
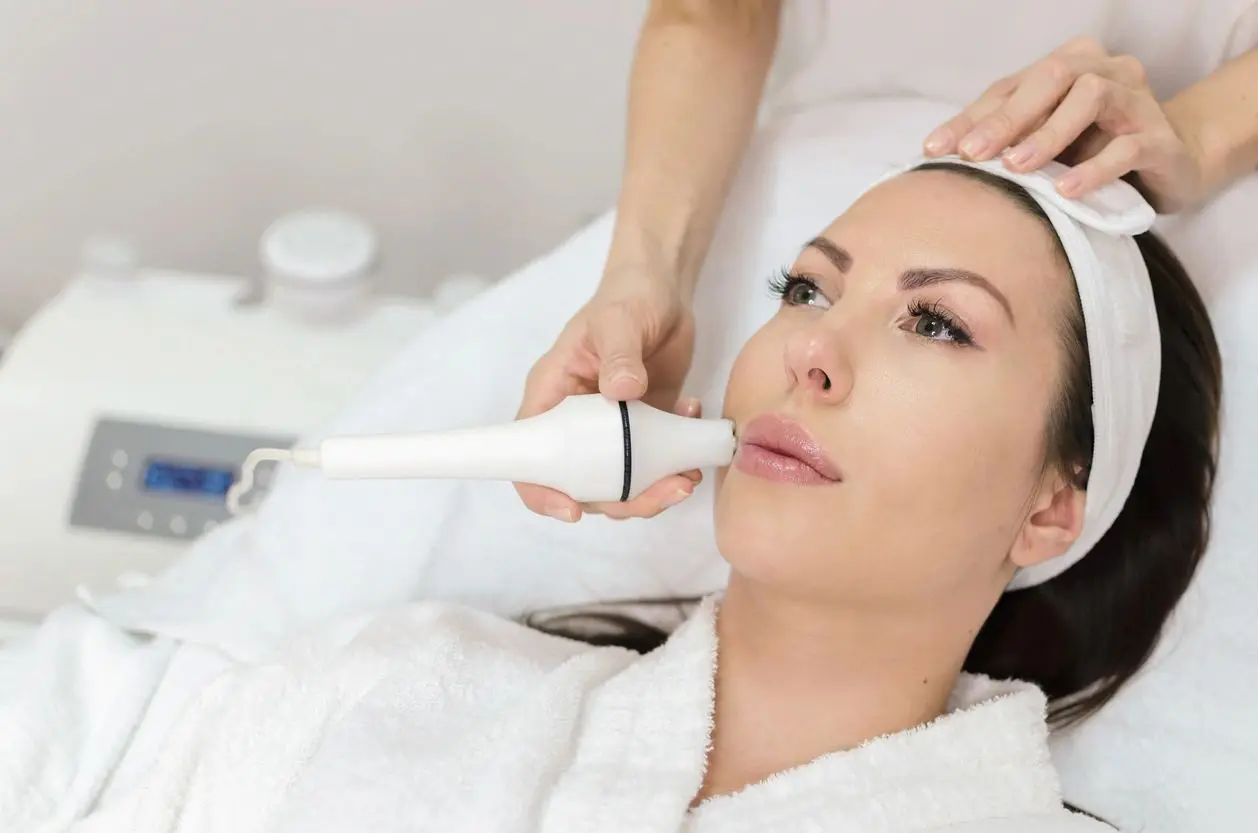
{"x": 318, "y": 264}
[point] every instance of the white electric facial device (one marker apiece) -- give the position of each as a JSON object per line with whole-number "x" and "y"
{"x": 591, "y": 448}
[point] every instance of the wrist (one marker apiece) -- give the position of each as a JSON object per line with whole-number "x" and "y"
{"x": 640, "y": 260}
{"x": 642, "y": 281}
{"x": 1200, "y": 184}
{"x": 1218, "y": 122}
{"x": 1194, "y": 131}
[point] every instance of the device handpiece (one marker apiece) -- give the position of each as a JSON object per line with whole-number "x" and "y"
{"x": 588, "y": 447}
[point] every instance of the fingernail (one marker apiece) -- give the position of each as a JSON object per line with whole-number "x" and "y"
{"x": 561, "y": 512}
{"x": 935, "y": 141}
{"x": 1069, "y": 183}
{"x": 1021, "y": 154}
{"x": 617, "y": 372}
{"x": 625, "y": 377}
{"x": 974, "y": 144}
{"x": 675, "y": 498}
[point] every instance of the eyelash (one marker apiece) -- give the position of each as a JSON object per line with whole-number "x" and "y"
{"x": 784, "y": 280}
{"x": 782, "y": 284}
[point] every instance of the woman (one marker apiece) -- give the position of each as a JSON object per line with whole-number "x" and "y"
{"x": 931, "y": 362}
{"x": 699, "y": 74}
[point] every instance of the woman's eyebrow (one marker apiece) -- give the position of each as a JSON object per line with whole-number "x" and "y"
{"x": 915, "y": 278}
{"x": 834, "y": 253}
{"x": 919, "y": 278}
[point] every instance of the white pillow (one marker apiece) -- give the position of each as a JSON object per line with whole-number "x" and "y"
{"x": 1178, "y": 749}
{"x": 321, "y": 548}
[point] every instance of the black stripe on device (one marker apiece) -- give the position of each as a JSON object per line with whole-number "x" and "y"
{"x": 624, "y": 430}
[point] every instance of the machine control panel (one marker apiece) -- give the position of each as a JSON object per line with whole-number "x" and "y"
{"x": 161, "y": 480}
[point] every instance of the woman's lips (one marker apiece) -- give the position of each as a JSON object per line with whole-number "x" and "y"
{"x": 781, "y": 450}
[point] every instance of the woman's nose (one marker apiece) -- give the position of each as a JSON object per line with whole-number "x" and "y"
{"x": 817, "y": 363}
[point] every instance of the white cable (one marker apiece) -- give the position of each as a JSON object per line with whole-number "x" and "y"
{"x": 297, "y": 456}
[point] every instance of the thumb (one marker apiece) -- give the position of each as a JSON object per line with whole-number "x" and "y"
{"x": 617, "y": 341}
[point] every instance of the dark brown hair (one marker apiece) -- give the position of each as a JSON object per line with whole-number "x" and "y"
{"x": 1081, "y": 636}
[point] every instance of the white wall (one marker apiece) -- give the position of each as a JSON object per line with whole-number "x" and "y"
{"x": 474, "y": 135}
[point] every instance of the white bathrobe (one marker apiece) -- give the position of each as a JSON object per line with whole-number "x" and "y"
{"x": 445, "y": 719}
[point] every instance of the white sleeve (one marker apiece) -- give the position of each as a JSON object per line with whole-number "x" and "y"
{"x": 1228, "y": 29}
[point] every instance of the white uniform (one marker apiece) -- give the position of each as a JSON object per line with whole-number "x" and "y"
{"x": 445, "y": 719}
{"x": 952, "y": 50}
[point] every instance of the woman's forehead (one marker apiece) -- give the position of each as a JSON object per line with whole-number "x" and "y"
{"x": 944, "y": 219}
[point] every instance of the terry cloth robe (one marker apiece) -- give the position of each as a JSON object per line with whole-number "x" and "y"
{"x": 441, "y": 718}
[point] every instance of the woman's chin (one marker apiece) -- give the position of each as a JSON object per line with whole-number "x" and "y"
{"x": 767, "y": 534}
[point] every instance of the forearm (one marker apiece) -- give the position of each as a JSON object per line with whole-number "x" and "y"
{"x": 697, "y": 79}
{"x": 1218, "y": 119}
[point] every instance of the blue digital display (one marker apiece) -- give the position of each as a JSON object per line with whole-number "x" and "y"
{"x": 188, "y": 479}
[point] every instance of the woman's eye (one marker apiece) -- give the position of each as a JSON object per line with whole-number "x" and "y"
{"x": 801, "y": 293}
{"x": 798, "y": 291}
{"x": 932, "y": 326}
{"x": 937, "y": 325}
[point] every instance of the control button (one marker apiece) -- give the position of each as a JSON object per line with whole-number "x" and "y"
{"x": 145, "y": 521}
{"x": 120, "y": 459}
{"x": 209, "y": 527}
{"x": 114, "y": 480}
{"x": 178, "y": 525}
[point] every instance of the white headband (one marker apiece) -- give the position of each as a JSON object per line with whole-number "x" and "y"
{"x": 1124, "y": 343}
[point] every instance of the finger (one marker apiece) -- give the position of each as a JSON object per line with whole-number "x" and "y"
{"x": 548, "y": 384}
{"x": 1078, "y": 111}
{"x": 944, "y": 139}
{"x": 1093, "y": 140}
{"x": 1127, "y": 70}
{"x": 1084, "y": 45}
{"x": 1118, "y": 158}
{"x": 617, "y": 340}
{"x": 689, "y": 407}
{"x": 549, "y": 502}
{"x": 1036, "y": 98}
{"x": 661, "y": 495}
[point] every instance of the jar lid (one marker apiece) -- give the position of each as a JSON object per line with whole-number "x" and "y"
{"x": 318, "y": 247}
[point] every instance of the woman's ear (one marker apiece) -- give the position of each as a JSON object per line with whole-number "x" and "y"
{"x": 1053, "y": 524}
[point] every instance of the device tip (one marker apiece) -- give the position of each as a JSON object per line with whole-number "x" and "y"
{"x": 248, "y": 474}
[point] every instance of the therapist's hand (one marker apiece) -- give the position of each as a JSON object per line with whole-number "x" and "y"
{"x": 1094, "y": 111}
{"x": 633, "y": 340}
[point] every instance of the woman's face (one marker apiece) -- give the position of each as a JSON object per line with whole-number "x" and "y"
{"x": 914, "y": 359}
